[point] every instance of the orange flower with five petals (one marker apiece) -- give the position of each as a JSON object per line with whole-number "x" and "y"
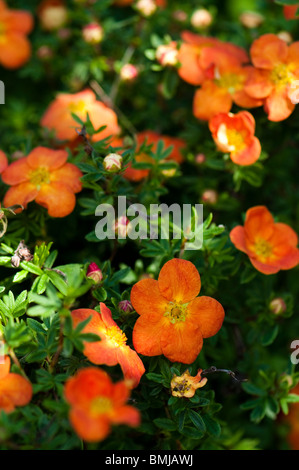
{"x": 15, "y": 390}
{"x": 271, "y": 246}
{"x": 97, "y": 404}
{"x": 173, "y": 320}
{"x": 113, "y": 348}
{"x": 46, "y": 177}
{"x": 234, "y": 133}
{"x": 15, "y": 49}
{"x": 58, "y": 116}
{"x": 276, "y": 71}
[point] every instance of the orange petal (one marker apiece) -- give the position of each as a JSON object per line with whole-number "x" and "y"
{"x": 131, "y": 364}
{"x": 179, "y": 280}
{"x": 237, "y": 237}
{"x": 16, "y": 388}
{"x": 107, "y": 316}
{"x": 210, "y": 100}
{"x": 47, "y": 158}
{"x": 147, "y": 299}
{"x": 207, "y": 313}
{"x": 15, "y": 51}
{"x": 249, "y": 155}
{"x": 89, "y": 428}
{"x": 17, "y": 172}
{"x": 258, "y": 84}
{"x": 181, "y": 342}
{"x": 264, "y": 268}
{"x": 100, "y": 115}
{"x": 57, "y": 198}
{"x": 126, "y": 415}
{"x": 95, "y": 323}
{"x": 101, "y": 352}
{"x": 146, "y": 335}
{"x": 259, "y": 221}
{"x": 278, "y": 106}
{"x": 3, "y": 161}
{"x": 19, "y": 21}
{"x": 268, "y": 51}
{"x": 69, "y": 175}
{"x": 87, "y": 384}
{"x": 4, "y": 368}
{"x": 20, "y": 194}
{"x": 190, "y": 69}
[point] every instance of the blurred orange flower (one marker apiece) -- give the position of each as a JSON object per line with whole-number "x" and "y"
{"x": 46, "y": 177}
{"x": 291, "y": 11}
{"x": 151, "y": 137}
{"x": 196, "y": 60}
{"x": 15, "y": 49}
{"x": 173, "y": 320}
{"x": 112, "y": 349}
{"x": 58, "y": 116}
{"x": 97, "y": 403}
{"x": 15, "y": 390}
{"x": 3, "y": 161}
{"x": 186, "y": 385}
{"x": 277, "y": 70}
{"x": 159, "y": 3}
{"x": 234, "y": 133}
{"x": 270, "y": 246}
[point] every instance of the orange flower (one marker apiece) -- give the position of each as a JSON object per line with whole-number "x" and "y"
{"x": 112, "y": 349}
{"x": 277, "y": 70}
{"x": 123, "y": 3}
{"x": 173, "y": 320}
{"x": 43, "y": 176}
{"x": 15, "y": 49}
{"x": 97, "y": 403}
{"x": 270, "y": 246}
{"x": 15, "y": 390}
{"x": 292, "y": 419}
{"x": 151, "y": 137}
{"x": 234, "y": 133}
{"x": 195, "y": 56}
{"x": 290, "y": 11}
{"x": 3, "y": 161}
{"x": 224, "y": 87}
{"x": 58, "y": 116}
{"x": 185, "y": 385}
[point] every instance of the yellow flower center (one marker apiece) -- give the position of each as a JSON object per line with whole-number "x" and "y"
{"x": 100, "y": 405}
{"x": 77, "y": 107}
{"x": 230, "y": 81}
{"x": 2, "y": 33}
{"x": 235, "y": 139}
{"x": 117, "y": 337}
{"x": 176, "y": 312}
{"x": 40, "y": 176}
{"x": 281, "y": 75}
{"x": 263, "y": 249}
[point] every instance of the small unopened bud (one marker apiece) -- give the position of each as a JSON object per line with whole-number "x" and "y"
{"x": 167, "y": 54}
{"x": 94, "y": 273}
{"x": 285, "y": 36}
{"x": 52, "y": 14}
{"x": 125, "y": 306}
{"x": 122, "y": 226}
{"x": 201, "y": 18}
{"x": 277, "y": 306}
{"x": 210, "y": 196}
{"x": 64, "y": 33}
{"x": 251, "y": 19}
{"x": 93, "y": 33}
{"x": 17, "y": 155}
{"x": 44, "y": 53}
{"x": 113, "y": 162}
{"x": 146, "y": 7}
{"x": 128, "y": 73}
{"x": 180, "y": 15}
{"x": 200, "y": 158}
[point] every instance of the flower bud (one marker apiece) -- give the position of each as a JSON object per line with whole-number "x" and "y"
{"x": 146, "y": 7}
{"x": 167, "y": 54}
{"x": 125, "y": 306}
{"x": 180, "y": 15}
{"x": 93, "y": 33}
{"x": 44, "y": 53}
{"x": 52, "y": 14}
{"x": 277, "y": 306}
{"x": 285, "y": 36}
{"x": 210, "y": 196}
{"x": 128, "y": 73}
{"x": 251, "y": 19}
{"x": 200, "y": 158}
{"x": 94, "y": 273}
{"x": 122, "y": 226}
{"x": 113, "y": 162}
{"x": 201, "y": 18}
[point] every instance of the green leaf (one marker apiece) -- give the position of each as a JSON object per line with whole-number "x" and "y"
{"x": 58, "y": 282}
{"x": 197, "y": 420}
{"x": 212, "y": 426}
{"x": 165, "y": 423}
{"x": 253, "y": 389}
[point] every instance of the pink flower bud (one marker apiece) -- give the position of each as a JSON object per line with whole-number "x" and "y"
{"x": 52, "y": 14}
{"x": 93, "y": 33}
{"x": 201, "y": 18}
{"x": 113, "y": 162}
{"x": 122, "y": 226}
{"x": 277, "y": 306}
{"x": 128, "y": 72}
{"x": 210, "y": 196}
{"x": 251, "y": 19}
{"x": 125, "y": 306}
{"x": 167, "y": 54}
{"x": 200, "y": 158}
{"x": 94, "y": 273}
{"x": 146, "y": 7}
